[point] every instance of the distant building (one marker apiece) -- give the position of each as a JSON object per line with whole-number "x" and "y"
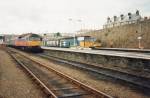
{"x": 82, "y": 31}
{"x": 123, "y": 19}
{"x": 54, "y": 36}
{"x": 1, "y": 39}
{"x": 51, "y": 36}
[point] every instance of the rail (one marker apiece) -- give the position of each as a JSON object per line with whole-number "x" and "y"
{"x": 87, "y": 88}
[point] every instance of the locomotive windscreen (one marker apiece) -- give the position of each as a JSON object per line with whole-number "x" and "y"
{"x": 35, "y": 37}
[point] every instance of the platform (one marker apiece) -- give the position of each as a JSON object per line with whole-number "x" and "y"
{"x": 125, "y": 49}
{"x": 104, "y": 52}
{"x": 105, "y": 58}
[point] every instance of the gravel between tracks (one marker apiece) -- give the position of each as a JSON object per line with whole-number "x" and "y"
{"x": 54, "y": 81}
{"x": 13, "y": 81}
{"x": 113, "y": 89}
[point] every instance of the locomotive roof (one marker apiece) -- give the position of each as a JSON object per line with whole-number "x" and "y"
{"x": 29, "y": 34}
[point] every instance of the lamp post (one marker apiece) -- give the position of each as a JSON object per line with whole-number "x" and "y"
{"x": 80, "y": 23}
{"x": 44, "y": 39}
{"x": 72, "y": 20}
{"x": 139, "y": 38}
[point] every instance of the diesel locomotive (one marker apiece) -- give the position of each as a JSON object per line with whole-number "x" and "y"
{"x": 27, "y": 42}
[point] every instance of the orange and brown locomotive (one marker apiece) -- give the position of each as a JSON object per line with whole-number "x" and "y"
{"x": 28, "y": 42}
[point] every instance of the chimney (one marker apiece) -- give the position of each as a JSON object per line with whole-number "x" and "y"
{"x": 115, "y": 18}
{"x": 129, "y": 14}
{"x": 137, "y": 13}
{"x": 108, "y": 20}
{"x": 122, "y": 16}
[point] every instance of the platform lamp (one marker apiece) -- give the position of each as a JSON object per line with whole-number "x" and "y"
{"x": 44, "y": 39}
{"x": 139, "y": 38}
{"x": 71, "y": 20}
{"x": 79, "y": 21}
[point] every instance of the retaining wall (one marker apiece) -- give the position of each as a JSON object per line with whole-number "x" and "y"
{"x": 102, "y": 60}
{"x": 124, "y": 36}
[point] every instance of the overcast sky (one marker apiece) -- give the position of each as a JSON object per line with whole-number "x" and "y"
{"x": 21, "y": 16}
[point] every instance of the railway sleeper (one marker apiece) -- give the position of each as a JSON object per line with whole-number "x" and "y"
{"x": 91, "y": 91}
{"x": 73, "y": 95}
{"x": 67, "y": 88}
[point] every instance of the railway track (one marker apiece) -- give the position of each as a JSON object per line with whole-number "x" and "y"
{"x": 55, "y": 84}
{"x": 142, "y": 83}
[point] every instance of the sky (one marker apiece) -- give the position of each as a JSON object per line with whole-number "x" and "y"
{"x": 50, "y": 16}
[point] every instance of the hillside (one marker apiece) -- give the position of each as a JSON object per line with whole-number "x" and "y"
{"x": 125, "y": 36}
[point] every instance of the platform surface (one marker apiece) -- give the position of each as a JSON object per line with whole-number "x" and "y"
{"x": 105, "y": 52}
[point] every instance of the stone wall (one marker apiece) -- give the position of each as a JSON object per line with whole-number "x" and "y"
{"x": 101, "y": 60}
{"x": 124, "y": 36}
